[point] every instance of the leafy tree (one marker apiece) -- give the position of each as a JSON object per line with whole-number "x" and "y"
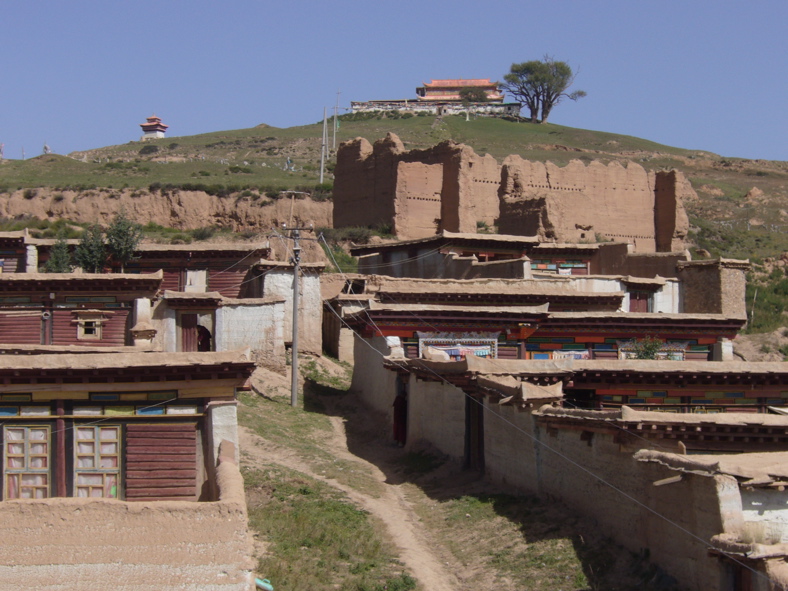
{"x": 472, "y": 94}
{"x": 541, "y": 85}
{"x": 91, "y": 252}
{"x": 123, "y": 238}
{"x": 647, "y": 348}
{"x": 59, "y": 257}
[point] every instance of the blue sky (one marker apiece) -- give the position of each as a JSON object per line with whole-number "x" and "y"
{"x": 79, "y": 74}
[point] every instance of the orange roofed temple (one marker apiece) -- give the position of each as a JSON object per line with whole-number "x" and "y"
{"x": 449, "y": 90}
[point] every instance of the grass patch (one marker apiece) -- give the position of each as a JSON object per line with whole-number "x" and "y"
{"x": 523, "y": 542}
{"x": 324, "y": 383}
{"x": 306, "y": 429}
{"x": 318, "y": 539}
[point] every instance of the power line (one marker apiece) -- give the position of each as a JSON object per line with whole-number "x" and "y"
{"x": 543, "y": 444}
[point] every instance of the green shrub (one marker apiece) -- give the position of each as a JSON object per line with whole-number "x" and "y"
{"x": 149, "y": 149}
{"x": 240, "y": 169}
{"x": 203, "y": 233}
{"x": 322, "y": 192}
{"x": 30, "y": 193}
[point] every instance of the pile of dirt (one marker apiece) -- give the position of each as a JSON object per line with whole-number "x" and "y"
{"x": 762, "y": 347}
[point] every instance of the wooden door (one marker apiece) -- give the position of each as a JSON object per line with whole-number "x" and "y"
{"x": 188, "y": 332}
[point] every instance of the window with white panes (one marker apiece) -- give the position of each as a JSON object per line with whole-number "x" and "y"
{"x": 97, "y": 461}
{"x": 26, "y": 462}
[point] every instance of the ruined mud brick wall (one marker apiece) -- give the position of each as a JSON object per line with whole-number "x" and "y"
{"x": 581, "y": 203}
{"x": 449, "y": 187}
{"x": 417, "y": 192}
{"x": 671, "y": 189}
{"x": 364, "y": 182}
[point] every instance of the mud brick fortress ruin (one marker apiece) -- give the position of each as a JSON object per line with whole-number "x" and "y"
{"x": 419, "y": 193}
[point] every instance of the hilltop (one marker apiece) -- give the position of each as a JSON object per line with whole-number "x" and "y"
{"x": 256, "y": 158}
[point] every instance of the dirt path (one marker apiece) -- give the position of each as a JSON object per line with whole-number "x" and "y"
{"x": 433, "y": 567}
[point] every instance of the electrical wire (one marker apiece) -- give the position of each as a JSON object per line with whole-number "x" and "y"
{"x": 544, "y": 445}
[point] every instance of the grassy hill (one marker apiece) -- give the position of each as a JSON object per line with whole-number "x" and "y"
{"x": 729, "y": 218}
{"x": 257, "y": 156}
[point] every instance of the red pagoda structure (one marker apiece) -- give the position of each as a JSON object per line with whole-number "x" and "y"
{"x": 153, "y": 128}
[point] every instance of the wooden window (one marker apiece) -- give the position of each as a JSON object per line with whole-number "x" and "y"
{"x": 97, "y": 461}
{"x": 26, "y": 462}
{"x": 196, "y": 281}
{"x": 89, "y": 326}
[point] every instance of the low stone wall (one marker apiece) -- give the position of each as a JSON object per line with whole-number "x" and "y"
{"x": 595, "y": 477}
{"x": 99, "y": 544}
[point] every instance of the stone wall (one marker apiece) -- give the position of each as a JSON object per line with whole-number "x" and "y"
{"x": 714, "y": 287}
{"x": 449, "y": 187}
{"x": 578, "y": 468}
{"x": 99, "y": 544}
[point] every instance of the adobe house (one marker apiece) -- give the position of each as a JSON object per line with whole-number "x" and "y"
{"x": 223, "y": 268}
{"x": 62, "y": 309}
{"x": 419, "y": 193}
{"x": 707, "y": 517}
{"x": 211, "y": 297}
{"x": 261, "y": 319}
{"x": 587, "y": 316}
{"x": 452, "y": 255}
{"x": 121, "y": 466}
{"x": 604, "y": 340}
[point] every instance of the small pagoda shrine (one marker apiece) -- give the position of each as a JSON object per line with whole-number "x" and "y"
{"x": 153, "y": 128}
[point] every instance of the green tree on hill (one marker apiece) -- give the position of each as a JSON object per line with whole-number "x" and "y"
{"x": 541, "y": 85}
{"x": 123, "y": 238}
{"x": 59, "y": 257}
{"x": 91, "y": 252}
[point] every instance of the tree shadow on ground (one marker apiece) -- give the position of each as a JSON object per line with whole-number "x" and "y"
{"x": 605, "y": 564}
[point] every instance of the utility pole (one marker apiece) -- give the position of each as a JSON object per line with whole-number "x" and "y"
{"x": 336, "y": 124}
{"x": 295, "y": 234}
{"x": 323, "y": 147}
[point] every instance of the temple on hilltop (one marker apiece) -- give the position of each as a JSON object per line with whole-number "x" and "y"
{"x": 449, "y": 90}
{"x": 442, "y": 97}
{"x": 153, "y": 128}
